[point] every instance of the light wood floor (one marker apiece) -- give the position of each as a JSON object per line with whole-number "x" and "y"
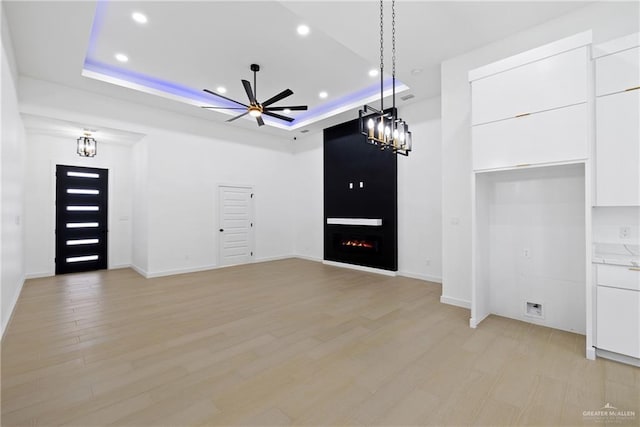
{"x": 287, "y": 343}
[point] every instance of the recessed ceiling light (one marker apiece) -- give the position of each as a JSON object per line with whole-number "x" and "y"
{"x": 140, "y": 18}
{"x": 286, "y": 111}
{"x": 323, "y": 94}
{"x": 373, "y": 72}
{"x": 221, "y": 89}
{"x": 122, "y": 57}
{"x": 303, "y": 30}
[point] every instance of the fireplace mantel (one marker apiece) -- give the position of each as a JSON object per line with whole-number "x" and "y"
{"x": 369, "y": 222}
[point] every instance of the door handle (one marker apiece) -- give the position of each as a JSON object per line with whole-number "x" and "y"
{"x": 221, "y": 230}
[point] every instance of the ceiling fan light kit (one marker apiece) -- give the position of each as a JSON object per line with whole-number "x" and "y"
{"x": 255, "y": 108}
{"x": 384, "y": 128}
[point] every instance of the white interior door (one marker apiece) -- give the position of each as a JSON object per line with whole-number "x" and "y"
{"x": 236, "y": 224}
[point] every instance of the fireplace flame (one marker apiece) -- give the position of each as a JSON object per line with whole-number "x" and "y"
{"x": 358, "y": 243}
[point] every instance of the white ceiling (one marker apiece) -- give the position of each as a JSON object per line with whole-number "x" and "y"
{"x": 188, "y": 46}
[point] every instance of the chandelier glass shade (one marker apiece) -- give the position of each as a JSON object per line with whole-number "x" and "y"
{"x": 384, "y": 128}
{"x": 87, "y": 146}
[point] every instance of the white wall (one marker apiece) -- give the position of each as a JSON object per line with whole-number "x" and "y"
{"x": 140, "y": 210}
{"x": 607, "y": 19}
{"x": 309, "y": 189}
{"x": 183, "y": 175}
{"x": 44, "y": 153}
{"x": 171, "y": 177}
{"x": 419, "y": 194}
{"x": 608, "y": 220}
{"x": 12, "y": 186}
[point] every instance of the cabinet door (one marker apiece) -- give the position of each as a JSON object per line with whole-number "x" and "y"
{"x": 617, "y": 276}
{"x": 618, "y": 72}
{"x": 553, "y": 82}
{"x": 618, "y": 321}
{"x": 618, "y": 149}
{"x": 551, "y": 136}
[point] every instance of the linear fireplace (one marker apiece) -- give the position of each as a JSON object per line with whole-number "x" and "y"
{"x": 355, "y": 243}
{"x": 360, "y": 200}
{"x": 361, "y": 245}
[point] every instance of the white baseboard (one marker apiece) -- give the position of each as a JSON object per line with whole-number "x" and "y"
{"x": 53, "y": 273}
{"x": 455, "y": 301}
{"x": 308, "y": 258}
{"x": 273, "y": 258}
{"x": 39, "y": 275}
{"x": 360, "y": 268}
{"x": 419, "y": 276}
{"x": 12, "y": 308}
{"x": 154, "y": 274}
{"x": 629, "y": 360}
{"x": 139, "y": 270}
{"x": 120, "y": 266}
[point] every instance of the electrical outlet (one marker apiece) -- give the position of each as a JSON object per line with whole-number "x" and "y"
{"x": 428, "y": 262}
{"x": 526, "y": 253}
{"x": 624, "y": 232}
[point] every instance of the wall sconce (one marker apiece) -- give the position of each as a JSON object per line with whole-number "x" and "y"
{"x": 87, "y": 146}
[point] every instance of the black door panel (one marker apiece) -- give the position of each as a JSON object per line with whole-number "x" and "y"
{"x": 81, "y": 219}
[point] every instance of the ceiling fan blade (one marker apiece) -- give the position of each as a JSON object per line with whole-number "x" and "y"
{"x": 247, "y": 88}
{"x": 224, "y": 108}
{"x": 237, "y": 117}
{"x": 260, "y": 121}
{"x": 277, "y": 116}
{"x": 278, "y": 97}
{"x": 294, "y": 108}
{"x": 224, "y": 97}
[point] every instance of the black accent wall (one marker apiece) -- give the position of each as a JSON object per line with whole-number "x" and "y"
{"x": 348, "y": 158}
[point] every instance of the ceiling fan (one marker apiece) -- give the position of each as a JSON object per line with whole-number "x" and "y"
{"x": 255, "y": 108}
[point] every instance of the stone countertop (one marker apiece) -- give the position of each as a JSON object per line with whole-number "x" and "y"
{"x": 627, "y": 255}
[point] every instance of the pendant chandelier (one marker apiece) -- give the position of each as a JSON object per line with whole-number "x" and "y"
{"x": 87, "y": 146}
{"x": 384, "y": 128}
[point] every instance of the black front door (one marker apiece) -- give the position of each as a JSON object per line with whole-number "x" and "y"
{"x": 81, "y": 219}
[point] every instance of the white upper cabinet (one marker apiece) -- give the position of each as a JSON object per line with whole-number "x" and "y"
{"x": 618, "y": 149}
{"x": 545, "y": 84}
{"x": 552, "y": 136}
{"x": 618, "y": 72}
{"x": 531, "y": 108}
{"x": 617, "y": 68}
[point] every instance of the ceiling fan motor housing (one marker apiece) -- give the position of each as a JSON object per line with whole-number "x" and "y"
{"x": 255, "y": 108}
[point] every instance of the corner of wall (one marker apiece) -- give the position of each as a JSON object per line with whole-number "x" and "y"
{"x": 12, "y": 157}
{"x": 6, "y": 318}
